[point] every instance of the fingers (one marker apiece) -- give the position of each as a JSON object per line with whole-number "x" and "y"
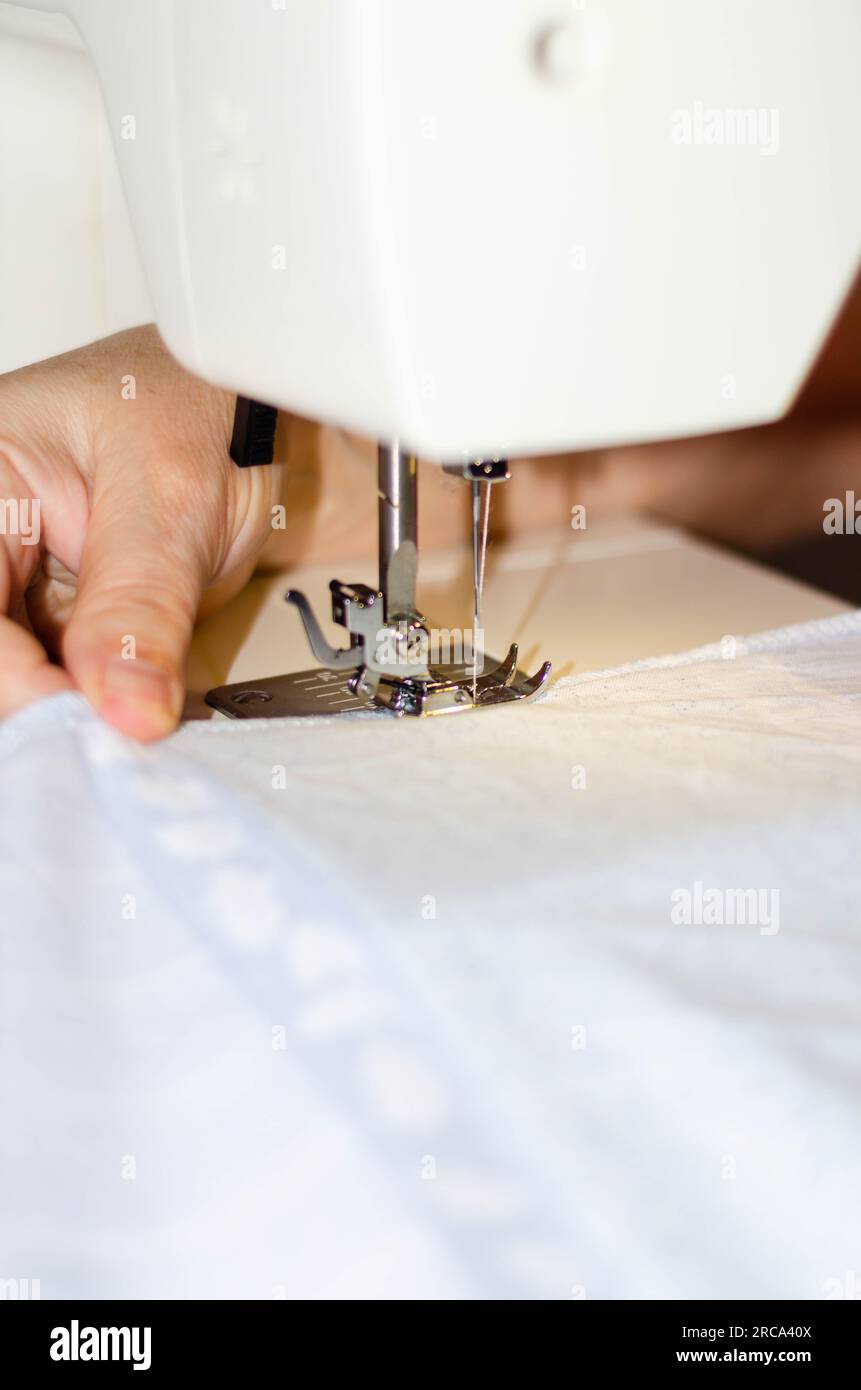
{"x": 143, "y": 572}
{"x": 145, "y": 511}
{"x": 26, "y": 674}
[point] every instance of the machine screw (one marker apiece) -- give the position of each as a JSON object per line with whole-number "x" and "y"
{"x": 252, "y": 697}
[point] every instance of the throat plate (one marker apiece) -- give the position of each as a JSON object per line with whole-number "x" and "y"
{"x": 304, "y": 694}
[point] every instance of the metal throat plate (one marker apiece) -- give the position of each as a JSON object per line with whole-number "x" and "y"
{"x": 304, "y": 694}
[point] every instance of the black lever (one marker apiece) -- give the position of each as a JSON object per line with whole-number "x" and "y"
{"x": 253, "y": 439}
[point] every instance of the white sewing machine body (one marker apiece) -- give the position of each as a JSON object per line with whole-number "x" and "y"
{"x": 490, "y": 226}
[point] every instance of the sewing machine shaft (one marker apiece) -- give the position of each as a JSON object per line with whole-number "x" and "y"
{"x": 397, "y": 482}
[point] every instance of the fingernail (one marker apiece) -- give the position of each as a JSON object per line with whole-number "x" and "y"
{"x": 138, "y": 697}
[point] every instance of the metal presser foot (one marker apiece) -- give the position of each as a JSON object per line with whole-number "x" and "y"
{"x": 395, "y": 660}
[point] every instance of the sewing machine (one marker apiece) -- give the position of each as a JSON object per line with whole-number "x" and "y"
{"x": 474, "y": 229}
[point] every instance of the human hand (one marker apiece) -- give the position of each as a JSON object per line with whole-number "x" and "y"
{"x": 122, "y": 517}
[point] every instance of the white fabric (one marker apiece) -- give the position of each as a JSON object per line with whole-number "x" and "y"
{"x": 367, "y": 1007}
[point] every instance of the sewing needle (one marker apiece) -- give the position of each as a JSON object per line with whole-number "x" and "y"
{"x": 480, "y": 527}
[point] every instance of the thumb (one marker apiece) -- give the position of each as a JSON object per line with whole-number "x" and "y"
{"x": 142, "y": 574}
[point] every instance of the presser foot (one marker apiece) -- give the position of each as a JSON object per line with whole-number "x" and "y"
{"x": 443, "y": 690}
{"x": 385, "y": 667}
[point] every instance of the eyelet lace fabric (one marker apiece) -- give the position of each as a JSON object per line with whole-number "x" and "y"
{"x": 464, "y": 1007}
